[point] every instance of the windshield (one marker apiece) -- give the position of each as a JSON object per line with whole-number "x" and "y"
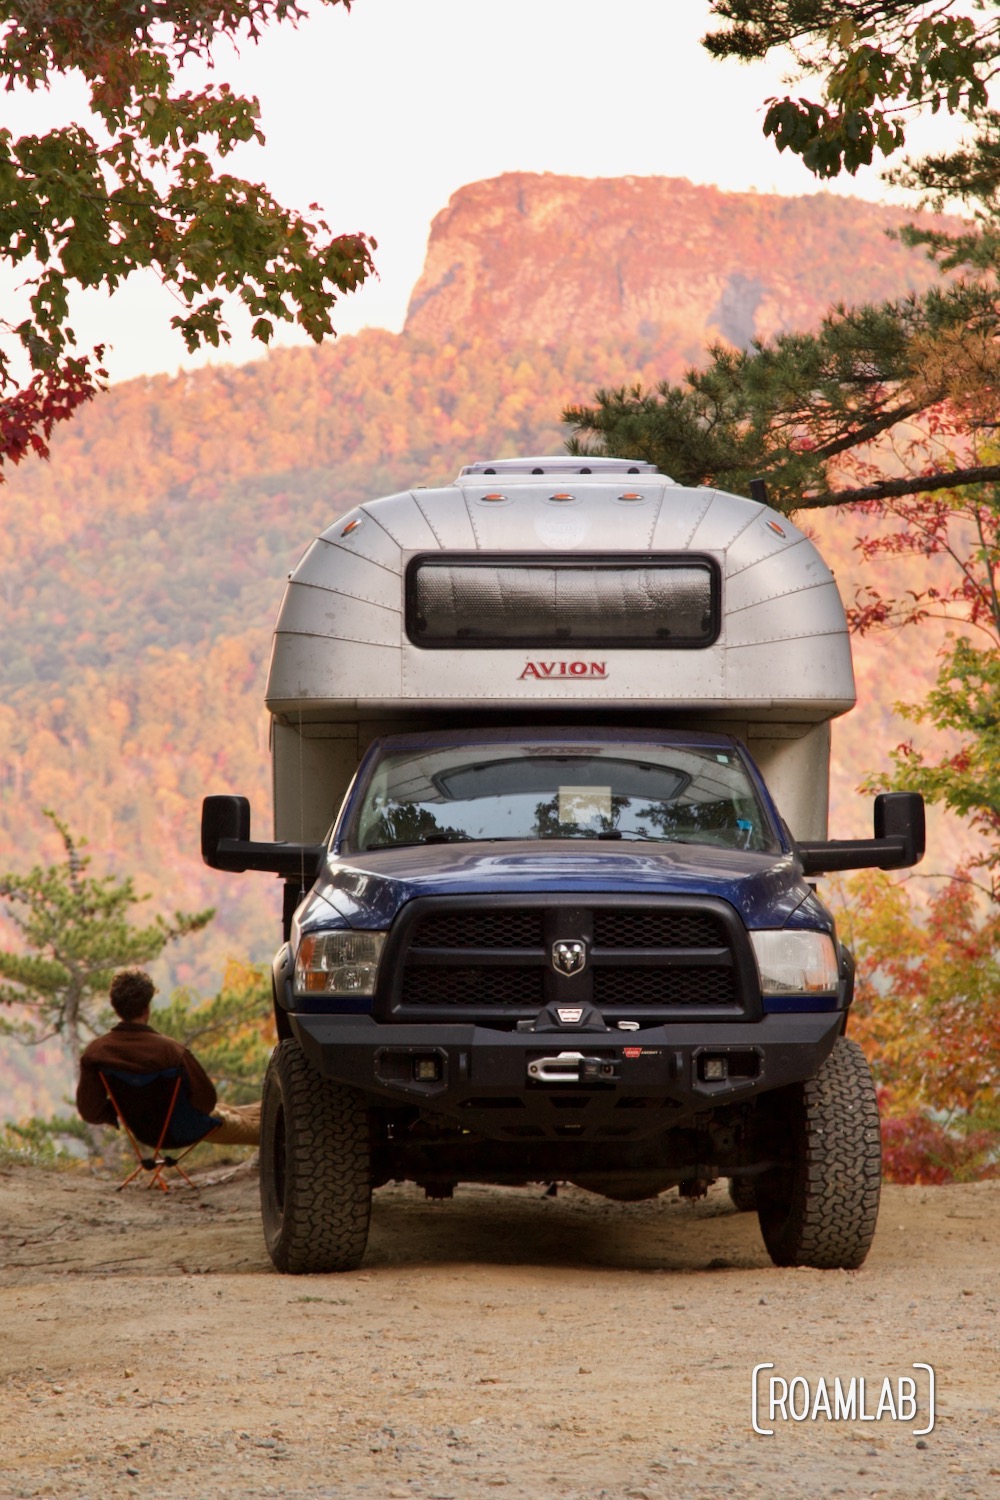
{"x": 659, "y": 793}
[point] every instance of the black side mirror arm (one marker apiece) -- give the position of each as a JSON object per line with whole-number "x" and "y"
{"x": 226, "y": 843}
{"x": 899, "y": 842}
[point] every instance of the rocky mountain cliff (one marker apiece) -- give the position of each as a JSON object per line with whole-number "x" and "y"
{"x": 551, "y": 260}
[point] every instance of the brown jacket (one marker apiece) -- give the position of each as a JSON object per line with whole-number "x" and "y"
{"x": 135, "y": 1048}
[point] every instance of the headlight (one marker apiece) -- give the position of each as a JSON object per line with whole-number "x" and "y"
{"x": 796, "y": 963}
{"x": 338, "y": 963}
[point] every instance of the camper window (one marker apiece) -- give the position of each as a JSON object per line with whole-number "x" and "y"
{"x": 515, "y": 601}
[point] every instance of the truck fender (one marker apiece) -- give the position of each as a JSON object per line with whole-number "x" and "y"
{"x": 281, "y": 977}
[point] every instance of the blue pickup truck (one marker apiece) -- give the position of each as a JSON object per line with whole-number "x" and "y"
{"x": 551, "y": 755}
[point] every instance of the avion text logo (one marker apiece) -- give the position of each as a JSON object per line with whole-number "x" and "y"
{"x": 546, "y": 669}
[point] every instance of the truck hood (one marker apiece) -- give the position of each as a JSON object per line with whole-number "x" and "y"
{"x": 368, "y": 890}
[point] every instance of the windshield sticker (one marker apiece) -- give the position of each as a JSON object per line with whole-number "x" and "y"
{"x": 584, "y": 804}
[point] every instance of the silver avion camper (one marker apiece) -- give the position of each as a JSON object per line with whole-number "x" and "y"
{"x": 513, "y": 592}
{"x": 551, "y": 766}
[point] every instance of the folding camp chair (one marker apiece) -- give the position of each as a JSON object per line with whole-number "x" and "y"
{"x": 156, "y": 1103}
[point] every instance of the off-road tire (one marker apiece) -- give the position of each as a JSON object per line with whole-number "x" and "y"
{"x": 315, "y": 1168}
{"x": 743, "y": 1194}
{"x": 821, "y": 1211}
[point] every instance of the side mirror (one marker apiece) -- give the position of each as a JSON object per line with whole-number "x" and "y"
{"x": 900, "y": 815}
{"x": 226, "y": 843}
{"x": 899, "y": 840}
{"x": 223, "y": 818}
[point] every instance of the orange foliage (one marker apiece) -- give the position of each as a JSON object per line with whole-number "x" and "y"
{"x": 927, "y": 1013}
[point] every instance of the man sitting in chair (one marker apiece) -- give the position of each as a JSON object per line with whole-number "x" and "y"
{"x": 133, "y": 1048}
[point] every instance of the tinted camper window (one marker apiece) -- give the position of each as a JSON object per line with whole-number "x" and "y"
{"x": 511, "y": 601}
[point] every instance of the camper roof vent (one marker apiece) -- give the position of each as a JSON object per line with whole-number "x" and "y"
{"x": 559, "y": 463}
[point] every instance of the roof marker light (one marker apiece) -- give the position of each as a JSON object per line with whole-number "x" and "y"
{"x": 631, "y": 495}
{"x": 561, "y": 497}
{"x": 352, "y": 526}
{"x": 494, "y": 496}
{"x": 779, "y": 530}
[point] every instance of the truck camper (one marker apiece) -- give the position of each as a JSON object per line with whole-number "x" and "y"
{"x": 551, "y": 766}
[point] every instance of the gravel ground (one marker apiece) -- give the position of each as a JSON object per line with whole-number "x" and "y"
{"x": 503, "y": 1342}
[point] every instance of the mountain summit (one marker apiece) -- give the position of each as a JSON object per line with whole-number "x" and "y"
{"x": 543, "y": 259}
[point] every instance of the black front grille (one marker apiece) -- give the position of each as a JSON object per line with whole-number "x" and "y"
{"x": 652, "y": 928}
{"x": 491, "y": 960}
{"x": 502, "y": 928}
{"x": 520, "y": 988}
{"x": 664, "y": 988}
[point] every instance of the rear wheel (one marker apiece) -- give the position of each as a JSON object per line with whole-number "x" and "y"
{"x": 315, "y": 1168}
{"x": 821, "y": 1210}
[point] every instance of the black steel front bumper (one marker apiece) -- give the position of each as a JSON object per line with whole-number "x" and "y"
{"x": 509, "y": 1085}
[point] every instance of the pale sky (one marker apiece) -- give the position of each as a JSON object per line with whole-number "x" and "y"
{"x": 380, "y": 114}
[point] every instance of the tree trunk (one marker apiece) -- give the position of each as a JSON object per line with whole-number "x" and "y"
{"x": 73, "y": 1034}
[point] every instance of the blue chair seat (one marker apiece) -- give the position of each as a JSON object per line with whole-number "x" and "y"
{"x": 144, "y": 1099}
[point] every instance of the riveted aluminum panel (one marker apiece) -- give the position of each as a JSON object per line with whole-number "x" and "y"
{"x": 610, "y": 677}
{"x": 401, "y": 518}
{"x": 785, "y": 571}
{"x": 329, "y": 566}
{"x": 367, "y": 540}
{"x": 447, "y": 516}
{"x": 309, "y": 667}
{"x": 680, "y": 513}
{"x": 307, "y": 610}
{"x": 767, "y": 536}
{"x": 530, "y": 520}
{"x": 812, "y": 671}
{"x": 725, "y": 519}
{"x": 816, "y": 611}
{"x": 531, "y": 523}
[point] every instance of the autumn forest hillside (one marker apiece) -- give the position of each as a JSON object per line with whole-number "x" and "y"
{"x": 143, "y": 566}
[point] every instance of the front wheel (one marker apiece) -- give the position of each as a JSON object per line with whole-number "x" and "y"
{"x": 821, "y": 1210}
{"x": 743, "y": 1194}
{"x": 315, "y": 1168}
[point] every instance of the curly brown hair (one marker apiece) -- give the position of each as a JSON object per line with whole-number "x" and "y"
{"x": 131, "y": 993}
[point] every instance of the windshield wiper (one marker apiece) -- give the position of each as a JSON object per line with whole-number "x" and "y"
{"x": 451, "y": 838}
{"x": 430, "y": 838}
{"x": 532, "y": 838}
{"x": 649, "y": 838}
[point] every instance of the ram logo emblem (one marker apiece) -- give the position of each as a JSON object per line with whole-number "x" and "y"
{"x": 569, "y": 956}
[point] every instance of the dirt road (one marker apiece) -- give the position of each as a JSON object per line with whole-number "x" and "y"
{"x": 503, "y": 1343}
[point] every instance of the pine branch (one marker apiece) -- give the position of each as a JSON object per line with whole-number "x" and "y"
{"x": 869, "y": 429}
{"x": 886, "y": 489}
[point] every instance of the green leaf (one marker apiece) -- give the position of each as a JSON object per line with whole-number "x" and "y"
{"x": 150, "y": 194}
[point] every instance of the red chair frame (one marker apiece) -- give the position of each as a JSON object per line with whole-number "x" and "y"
{"x": 160, "y": 1161}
